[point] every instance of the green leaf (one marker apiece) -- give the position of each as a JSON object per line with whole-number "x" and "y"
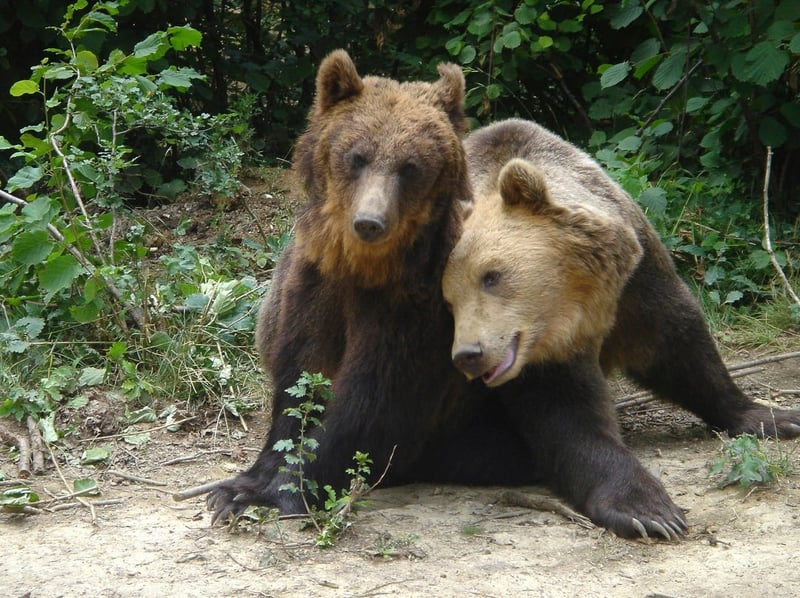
{"x": 59, "y": 273}
{"x": 92, "y": 376}
{"x": 780, "y": 30}
{"x": 525, "y": 14}
{"x": 467, "y": 54}
{"x": 32, "y": 326}
{"x": 512, "y": 40}
{"x": 733, "y": 297}
{"x": 184, "y": 37}
{"x": 630, "y": 144}
{"x": 86, "y": 61}
{"x": 31, "y": 247}
{"x": 26, "y": 177}
{"x": 39, "y": 211}
{"x": 763, "y": 64}
{"x": 622, "y": 16}
{"x": 179, "y": 78}
{"x": 794, "y": 45}
{"x": 117, "y": 350}
{"x": 95, "y": 455}
{"x": 772, "y": 132}
{"x": 646, "y": 50}
{"x": 18, "y": 497}
{"x": 85, "y": 313}
{"x": 86, "y": 486}
{"x": 152, "y": 47}
{"x": 145, "y": 415}
{"x": 137, "y": 439}
{"x": 26, "y": 86}
{"x": 614, "y": 74}
{"x": 670, "y": 70}
{"x": 48, "y": 428}
{"x": 694, "y": 104}
{"x": 654, "y": 201}
{"x": 283, "y": 446}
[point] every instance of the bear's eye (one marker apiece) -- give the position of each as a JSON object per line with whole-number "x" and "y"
{"x": 490, "y": 279}
{"x": 357, "y": 161}
{"x": 409, "y": 169}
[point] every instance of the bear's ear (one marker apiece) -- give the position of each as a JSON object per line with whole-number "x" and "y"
{"x": 337, "y": 80}
{"x": 522, "y": 183}
{"x": 449, "y": 92}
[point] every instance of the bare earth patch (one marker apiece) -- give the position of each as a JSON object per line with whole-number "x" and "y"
{"x": 419, "y": 540}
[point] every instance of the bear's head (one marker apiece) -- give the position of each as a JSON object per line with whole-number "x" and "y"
{"x": 532, "y": 280}
{"x": 382, "y": 163}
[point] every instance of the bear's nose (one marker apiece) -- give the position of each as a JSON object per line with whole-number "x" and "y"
{"x": 369, "y": 228}
{"x": 468, "y": 359}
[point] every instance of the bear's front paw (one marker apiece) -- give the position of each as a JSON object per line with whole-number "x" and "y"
{"x": 765, "y": 421}
{"x": 232, "y": 497}
{"x": 638, "y": 508}
{"x": 226, "y": 502}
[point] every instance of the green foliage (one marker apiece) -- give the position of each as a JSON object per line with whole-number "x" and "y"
{"x": 15, "y": 499}
{"x": 76, "y": 268}
{"x": 746, "y": 461}
{"x": 313, "y": 391}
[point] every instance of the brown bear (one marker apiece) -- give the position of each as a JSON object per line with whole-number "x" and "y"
{"x": 559, "y": 278}
{"x": 357, "y": 295}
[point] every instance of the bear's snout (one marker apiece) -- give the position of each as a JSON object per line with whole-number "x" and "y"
{"x": 469, "y": 359}
{"x": 369, "y": 227}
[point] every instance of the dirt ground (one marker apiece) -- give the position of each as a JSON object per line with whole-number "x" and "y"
{"x": 416, "y": 540}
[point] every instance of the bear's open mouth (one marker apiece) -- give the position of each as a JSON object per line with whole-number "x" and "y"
{"x": 505, "y": 365}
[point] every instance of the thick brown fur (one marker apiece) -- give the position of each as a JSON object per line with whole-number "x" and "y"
{"x": 559, "y": 278}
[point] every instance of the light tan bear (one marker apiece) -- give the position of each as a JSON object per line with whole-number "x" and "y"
{"x": 558, "y": 278}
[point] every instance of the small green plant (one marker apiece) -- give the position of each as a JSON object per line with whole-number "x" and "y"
{"x": 314, "y": 390}
{"x": 746, "y": 460}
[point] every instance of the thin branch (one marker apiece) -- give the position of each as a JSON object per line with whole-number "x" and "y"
{"x": 666, "y": 98}
{"x": 133, "y": 478}
{"x": 86, "y": 504}
{"x": 199, "y": 490}
{"x": 135, "y": 312}
{"x": 767, "y": 240}
{"x": 23, "y": 447}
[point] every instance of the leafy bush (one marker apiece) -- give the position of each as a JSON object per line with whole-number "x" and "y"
{"x": 82, "y": 302}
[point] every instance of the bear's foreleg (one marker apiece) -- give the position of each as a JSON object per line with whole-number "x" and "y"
{"x": 565, "y": 414}
{"x": 660, "y": 339}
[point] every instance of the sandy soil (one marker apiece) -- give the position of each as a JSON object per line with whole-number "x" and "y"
{"x": 412, "y": 541}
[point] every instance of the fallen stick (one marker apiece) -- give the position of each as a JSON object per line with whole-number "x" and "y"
{"x": 37, "y": 450}
{"x": 23, "y": 447}
{"x": 543, "y": 503}
{"x": 133, "y": 478}
{"x": 198, "y": 490}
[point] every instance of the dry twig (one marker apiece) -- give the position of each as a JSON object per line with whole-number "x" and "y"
{"x": 23, "y": 447}
{"x": 543, "y": 503}
{"x": 133, "y": 478}
{"x": 199, "y": 490}
{"x": 767, "y": 240}
{"x": 37, "y": 450}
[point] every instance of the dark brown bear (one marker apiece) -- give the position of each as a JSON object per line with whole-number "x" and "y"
{"x": 357, "y": 296}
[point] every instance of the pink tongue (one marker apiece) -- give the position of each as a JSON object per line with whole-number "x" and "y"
{"x": 501, "y": 368}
